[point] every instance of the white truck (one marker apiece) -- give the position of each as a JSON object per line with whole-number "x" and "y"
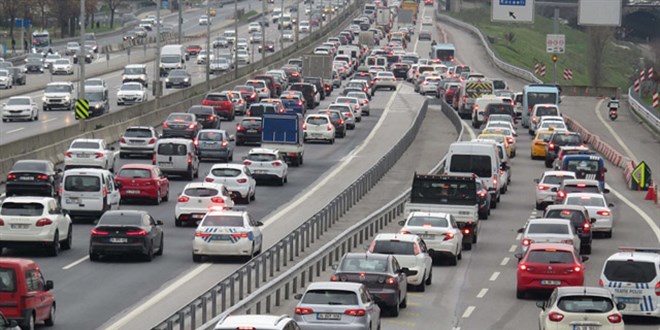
{"x": 383, "y": 17}
{"x": 172, "y": 57}
{"x": 453, "y": 194}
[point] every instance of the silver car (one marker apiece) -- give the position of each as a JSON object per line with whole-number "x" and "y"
{"x": 547, "y": 185}
{"x": 336, "y": 305}
{"x": 549, "y": 231}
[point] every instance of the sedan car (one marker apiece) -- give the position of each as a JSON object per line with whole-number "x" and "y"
{"x": 270, "y": 46}
{"x": 331, "y": 305}
{"x": 346, "y": 111}
{"x": 205, "y": 115}
{"x": 121, "y": 232}
{"x": 256, "y": 38}
{"x": 219, "y": 65}
{"x": 193, "y": 49}
{"x": 248, "y": 130}
{"x": 411, "y": 252}
{"x": 72, "y": 47}
{"x": 131, "y": 93}
{"x": 581, "y": 308}
{"x": 385, "y": 80}
{"x": 138, "y": 140}
{"x": 385, "y": 279}
{"x": 227, "y": 232}
{"x": 579, "y": 218}
{"x": 88, "y": 153}
{"x": 598, "y": 208}
{"x": 215, "y": 144}
{"x": 547, "y": 186}
{"x": 180, "y": 124}
{"x": 62, "y": 66}
{"x": 543, "y": 230}
{"x": 363, "y": 101}
{"x": 33, "y": 177}
{"x": 243, "y": 56}
{"x": 237, "y": 178}
{"x": 439, "y": 231}
{"x": 222, "y": 105}
{"x": 267, "y": 164}
{"x": 178, "y": 78}
{"x": 143, "y": 181}
{"x": 34, "y": 65}
{"x": 35, "y": 221}
{"x": 197, "y": 199}
{"x": 6, "y": 79}
{"x": 20, "y": 108}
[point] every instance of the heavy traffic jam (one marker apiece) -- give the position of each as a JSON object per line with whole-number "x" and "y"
{"x": 255, "y": 136}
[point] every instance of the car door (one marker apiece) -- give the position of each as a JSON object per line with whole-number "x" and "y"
{"x": 255, "y": 231}
{"x": 57, "y": 217}
{"x": 155, "y": 230}
{"x": 164, "y": 182}
{"x": 37, "y": 297}
{"x": 252, "y": 182}
{"x": 424, "y": 255}
{"x": 403, "y": 280}
{"x": 368, "y": 304}
{"x": 113, "y": 192}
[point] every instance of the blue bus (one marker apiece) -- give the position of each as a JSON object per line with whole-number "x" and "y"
{"x": 538, "y": 94}
{"x": 444, "y": 52}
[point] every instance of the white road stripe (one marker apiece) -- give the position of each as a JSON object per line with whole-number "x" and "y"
{"x": 15, "y": 130}
{"x": 468, "y": 312}
{"x": 494, "y": 276}
{"x": 482, "y": 293}
{"x": 73, "y": 264}
{"x": 519, "y": 236}
{"x": 49, "y": 120}
{"x": 513, "y": 248}
{"x": 616, "y": 136}
{"x": 505, "y": 261}
{"x": 646, "y": 217}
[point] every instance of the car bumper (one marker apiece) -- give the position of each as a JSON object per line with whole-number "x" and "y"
{"x": 386, "y": 85}
{"x": 386, "y": 297}
{"x": 65, "y": 105}
{"x": 239, "y": 247}
{"x": 71, "y": 163}
{"x": 319, "y": 136}
{"x": 528, "y": 282}
{"x": 118, "y": 248}
{"x": 85, "y": 213}
{"x": 17, "y": 115}
{"x": 139, "y": 192}
{"x": 181, "y": 134}
{"x": 441, "y": 248}
{"x": 129, "y": 100}
{"x": 40, "y": 238}
{"x": 207, "y": 153}
{"x": 602, "y": 224}
{"x": 545, "y": 197}
{"x": 138, "y": 149}
{"x": 359, "y": 324}
{"x": 247, "y": 138}
{"x": 20, "y": 188}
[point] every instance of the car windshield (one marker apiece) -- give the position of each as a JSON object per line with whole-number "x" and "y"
{"x": 547, "y": 228}
{"x": 223, "y": 221}
{"x": 33, "y": 61}
{"x": 357, "y": 95}
{"x": 555, "y": 179}
{"x": 62, "y": 62}
{"x": 217, "y": 97}
{"x": 330, "y": 297}
{"x": 262, "y": 157}
{"x": 22, "y": 209}
{"x": 120, "y": 218}
{"x": 170, "y": 59}
{"x": 58, "y": 89}
{"x": 350, "y": 100}
{"x": 172, "y": 149}
{"x": 7, "y": 280}
{"x": 94, "y": 96}
{"x": 630, "y": 271}
{"x": 565, "y": 139}
{"x": 85, "y": 145}
{"x": 18, "y": 101}
{"x": 363, "y": 265}
{"x": 585, "y": 304}
{"x": 93, "y": 82}
{"x": 80, "y": 183}
{"x": 210, "y": 136}
{"x": 582, "y": 165}
{"x": 131, "y": 87}
{"x": 581, "y": 188}
{"x": 499, "y": 108}
{"x": 138, "y": 133}
{"x": 393, "y": 247}
{"x": 226, "y": 172}
{"x": 546, "y": 111}
{"x": 550, "y": 257}
{"x": 496, "y": 117}
{"x": 30, "y": 166}
{"x": 251, "y": 123}
{"x": 135, "y": 173}
{"x": 134, "y": 71}
{"x": 427, "y": 221}
{"x": 201, "y": 192}
{"x": 178, "y": 73}
{"x": 585, "y": 201}
{"x": 497, "y": 130}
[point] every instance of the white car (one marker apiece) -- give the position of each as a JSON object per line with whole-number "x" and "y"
{"x": 598, "y": 208}
{"x": 89, "y": 153}
{"x": 411, "y": 252}
{"x": 138, "y": 140}
{"x": 203, "y": 56}
{"x": 20, "y": 107}
{"x": 197, "y": 199}
{"x": 6, "y": 79}
{"x": 62, "y": 66}
{"x": 254, "y": 27}
{"x": 237, "y": 178}
{"x": 499, "y": 123}
{"x": 304, "y": 27}
{"x": 267, "y": 164}
{"x": 354, "y": 102}
{"x": 72, "y": 47}
{"x": 439, "y": 231}
{"x": 427, "y": 20}
{"x": 132, "y": 92}
{"x": 37, "y": 221}
{"x": 243, "y": 56}
{"x": 385, "y": 79}
{"x": 549, "y": 231}
{"x": 545, "y": 194}
{"x": 256, "y": 38}
{"x": 573, "y": 308}
{"x": 227, "y": 232}
{"x": 429, "y": 85}
{"x": 322, "y": 50}
{"x": 204, "y": 20}
{"x": 319, "y": 127}
{"x": 287, "y": 35}
{"x": 365, "y": 105}
{"x": 50, "y": 59}
{"x": 550, "y": 123}
{"x": 219, "y": 65}
{"x": 242, "y": 43}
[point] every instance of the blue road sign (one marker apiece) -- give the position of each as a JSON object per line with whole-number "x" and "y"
{"x": 23, "y": 22}
{"x": 512, "y": 2}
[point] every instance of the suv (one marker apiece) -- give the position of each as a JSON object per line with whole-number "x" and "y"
{"x": 579, "y": 217}
{"x": 59, "y": 95}
{"x": 26, "y": 296}
{"x": 135, "y": 72}
{"x": 577, "y": 186}
{"x": 560, "y": 139}
{"x": 97, "y": 97}
{"x": 261, "y": 322}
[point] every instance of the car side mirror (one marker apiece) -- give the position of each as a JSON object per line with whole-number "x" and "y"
{"x": 297, "y": 296}
{"x": 48, "y": 286}
{"x": 408, "y": 271}
{"x": 112, "y": 149}
{"x": 13, "y": 324}
{"x": 402, "y": 222}
{"x": 620, "y": 306}
{"x": 59, "y": 170}
{"x": 159, "y": 222}
{"x": 536, "y": 180}
{"x": 540, "y": 304}
{"x": 521, "y": 230}
{"x": 259, "y": 223}
{"x": 606, "y": 191}
{"x": 518, "y": 256}
{"x": 232, "y": 138}
{"x": 610, "y": 205}
{"x": 554, "y": 189}
{"x": 584, "y": 258}
{"x": 118, "y": 185}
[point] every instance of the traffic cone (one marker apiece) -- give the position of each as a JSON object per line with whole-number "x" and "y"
{"x": 650, "y": 194}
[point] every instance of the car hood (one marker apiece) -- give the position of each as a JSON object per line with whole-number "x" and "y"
{"x": 17, "y": 107}
{"x": 130, "y": 93}
{"x": 57, "y": 94}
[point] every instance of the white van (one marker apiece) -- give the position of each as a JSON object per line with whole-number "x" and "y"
{"x": 376, "y": 61}
{"x": 479, "y": 108}
{"x": 172, "y": 57}
{"x": 88, "y": 192}
{"x": 540, "y": 110}
{"x": 350, "y": 50}
{"x": 479, "y": 158}
{"x": 177, "y": 156}
{"x": 505, "y": 176}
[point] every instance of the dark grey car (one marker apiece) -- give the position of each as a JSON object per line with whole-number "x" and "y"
{"x": 178, "y": 78}
{"x": 121, "y": 232}
{"x": 18, "y": 74}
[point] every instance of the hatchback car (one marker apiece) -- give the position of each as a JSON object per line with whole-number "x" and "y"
{"x": 206, "y": 116}
{"x": 319, "y": 127}
{"x": 248, "y": 130}
{"x": 222, "y": 104}
{"x": 267, "y": 164}
{"x": 411, "y": 252}
{"x": 90, "y": 153}
{"x": 365, "y": 106}
{"x": 237, "y": 178}
{"x": 124, "y": 232}
{"x": 197, "y": 198}
{"x": 577, "y": 186}
{"x": 547, "y": 185}
{"x": 598, "y": 208}
{"x": 180, "y": 124}
{"x": 348, "y": 113}
{"x": 178, "y": 78}
{"x": 579, "y": 217}
{"x": 338, "y": 121}
{"x": 138, "y": 140}
{"x": 23, "y": 288}
{"x": 215, "y": 144}
{"x": 440, "y": 232}
{"x": 143, "y": 181}
{"x": 581, "y": 308}
{"x": 33, "y": 177}
{"x": 227, "y": 232}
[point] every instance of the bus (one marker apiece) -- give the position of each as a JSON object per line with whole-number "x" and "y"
{"x": 40, "y": 41}
{"x": 410, "y": 5}
{"x": 537, "y": 94}
{"x": 444, "y": 52}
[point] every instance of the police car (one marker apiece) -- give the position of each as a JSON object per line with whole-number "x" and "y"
{"x": 227, "y": 232}
{"x": 632, "y": 277}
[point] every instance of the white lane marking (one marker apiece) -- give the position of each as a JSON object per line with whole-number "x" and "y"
{"x": 494, "y": 276}
{"x": 15, "y": 130}
{"x": 534, "y": 212}
{"x": 616, "y": 136}
{"x": 519, "y": 236}
{"x": 505, "y": 261}
{"x": 513, "y": 248}
{"x": 142, "y": 307}
{"x": 417, "y": 41}
{"x": 639, "y": 211}
{"x": 482, "y": 293}
{"x": 73, "y": 264}
{"x": 468, "y": 312}
{"x": 49, "y": 120}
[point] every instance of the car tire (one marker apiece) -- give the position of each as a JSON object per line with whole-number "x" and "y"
{"x": 4, "y": 120}
{"x": 68, "y": 242}
{"x": 160, "y": 247}
{"x": 50, "y": 321}
{"x": 586, "y": 249}
{"x": 281, "y": 181}
{"x": 190, "y": 175}
{"x": 453, "y": 260}
{"x": 493, "y": 204}
{"x": 548, "y": 164}
{"x": 94, "y": 256}
{"x": 505, "y": 189}
{"x": 607, "y": 234}
{"x": 520, "y": 294}
{"x": 158, "y": 199}
{"x": 177, "y": 222}
{"x": 196, "y": 174}
{"x": 459, "y": 256}
{"x": 167, "y": 196}
{"x": 29, "y": 325}
{"x": 421, "y": 287}
{"x": 254, "y": 196}
{"x": 332, "y": 141}
{"x": 467, "y": 246}
{"x": 540, "y": 206}
{"x": 54, "y": 246}
{"x": 149, "y": 256}
{"x": 196, "y": 258}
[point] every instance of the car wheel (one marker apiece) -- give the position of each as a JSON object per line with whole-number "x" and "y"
{"x": 196, "y": 174}
{"x": 467, "y": 246}
{"x": 539, "y": 206}
{"x": 254, "y": 196}
{"x": 459, "y": 256}
{"x": 29, "y": 325}
{"x": 178, "y": 223}
{"x": 36, "y": 116}
{"x": 453, "y": 260}
{"x": 493, "y": 204}
{"x": 68, "y": 242}
{"x": 4, "y": 120}
{"x": 548, "y": 164}
{"x": 520, "y": 294}
{"x": 94, "y": 256}
{"x": 404, "y": 303}
{"x": 54, "y": 248}
{"x": 429, "y": 279}
{"x": 421, "y": 287}
{"x": 281, "y": 181}
{"x": 190, "y": 175}
{"x": 197, "y": 257}
{"x": 332, "y": 141}
{"x": 158, "y": 199}
{"x": 167, "y": 196}
{"x": 50, "y": 321}
{"x": 160, "y": 247}
{"x": 247, "y": 199}
{"x": 483, "y": 215}
{"x": 149, "y": 256}
{"x": 586, "y": 249}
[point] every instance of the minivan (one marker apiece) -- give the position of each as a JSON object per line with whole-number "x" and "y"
{"x": 88, "y": 192}
{"x": 26, "y": 296}
{"x": 479, "y": 158}
{"x": 177, "y": 156}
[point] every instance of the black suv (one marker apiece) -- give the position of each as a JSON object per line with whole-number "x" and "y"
{"x": 337, "y": 119}
{"x": 318, "y": 82}
{"x": 309, "y": 91}
{"x": 580, "y": 220}
{"x": 560, "y": 139}
{"x": 205, "y": 115}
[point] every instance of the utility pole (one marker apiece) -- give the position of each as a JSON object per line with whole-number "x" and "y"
{"x": 156, "y": 86}
{"x": 81, "y": 58}
{"x": 297, "y": 21}
{"x": 235, "y": 46}
{"x": 208, "y": 46}
{"x": 181, "y": 20}
{"x": 555, "y": 29}
{"x": 280, "y": 21}
{"x": 264, "y": 19}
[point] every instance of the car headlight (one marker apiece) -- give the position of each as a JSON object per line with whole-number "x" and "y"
{"x": 44, "y": 99}
{"x": 123, "y": 77}
{"x": 98, "y": 105}
{"x": 67, "y": 98}
{"x": 167, "y": 79}
{"x": 143, "y": 77}
{"x": 186, "y": 80}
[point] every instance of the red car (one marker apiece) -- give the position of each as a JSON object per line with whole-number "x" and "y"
{"x": 450, "y": 92}
{"x": 194, "y": 49}
{"x": 223, "y": 106}
{"x": 546, "y": 266}
{"x": 25, "y": 295}
{"x": 143, "y": 181}
{"x": 428, "y": 2}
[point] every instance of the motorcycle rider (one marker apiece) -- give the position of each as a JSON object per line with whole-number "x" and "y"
{"x": 613, "y": 103}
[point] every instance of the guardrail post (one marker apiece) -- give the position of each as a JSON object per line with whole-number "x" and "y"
{"x": 302, "y": 278}
{"x": 248, "y": 272}
{"x": 182, "y": 323}
{"x": 293, "y": 245}
{"x": 232, "y": 290}
{"x": 318, "y": 267}
{"x": 257, "y": 271}
{"x": 268, "y": 304}
{"x": 286, "y": 291}
{"x": 281, "y": 247}
{"x": 214, "y": 303}
{"x": 310, "y": 273}
{"x": 343, "y": 247}
{"x": 294, "y": 287}
{"x": 277, "y": 297}
{"x": 223, "y": 297}
{"x": 310, "y": 232}
{"x": 240, "y": 285}
{"x": 284, "y": 250}
{"x": 361, "y": 237}
{"x": 204, "y": 311}
{"x": 170, "y": 325}
{"x": 258, "y": 308}
{"x": 300, "y": 246}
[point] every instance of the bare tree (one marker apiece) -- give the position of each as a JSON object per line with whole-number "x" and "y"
{"x": 66, "y": 12}
{"x": 10, "y": 8}
{"x": 599, "y": 37}
{"x": 90, "y": 9}
{"x": 42, "y": 5}
{"x": 113, "y": 5}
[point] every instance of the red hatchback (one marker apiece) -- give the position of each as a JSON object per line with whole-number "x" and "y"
{"x": 223, "y": 106}
{"x": 143, "y": 181}
{"x": 25, "y": 294}
{"x": 546, "y": 266}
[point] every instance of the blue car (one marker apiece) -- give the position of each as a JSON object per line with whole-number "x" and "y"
{"x": 292, "y": 103}
{"x": 215, "y": 144}
{"x": 589, "y": 167}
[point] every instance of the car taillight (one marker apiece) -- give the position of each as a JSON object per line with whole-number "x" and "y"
{"x": 43, "y": 222}
{"x": 206, "y": 102}
{"x": 242, "y": 180}
{"x": 42, "y": 177}
{"x": 561, "y": 194}
{"x": 99, "y": 154}
{"x": 551, "y": 146}
{"x": 165, "y": 125}
{"x": 217, "y": 200}
{"x": 152, "y": 141}
{"x": 330, "y": 127}
{"x": 105, "y": 192}
{"x": 466, "y": 231}
{"x": 183, "y": 199}
{"x": 600, "y": 282}
{"x": 355, "y": 312}
{"x": 447, "y": 236}
{"x": 202, "y": 234}
{"x": 568, "y": 241}
{"x": 586, "y": 227}
{"x": 464, "y": 98}
{"x": 356, "y": 107}
{"x": 303, "y": 311}
{"x": 304, "y": 126}
{"x": 192, "y": 125}
{"x": 140, "y": 232}
{"x": 341, "y": 122}
{"x": 482, "y": 193}
{"x": 240, "y": 235}
{"x": 527, "y": 242}
{"x": 542, "y": 187}
{"x": 67, "y": 154}
{"x": 657, "y": 289}
{"x": 239, "y": 128}
{"x": 555, "y": 317}
{"x": 224, "y": 143}
{"x": 96, "y": 232}
{"x": 276, "y": 163}
{"x": 190, "y": 158}
{"x": 614, "y": 318}
{"x": 390, "y": 280}
{"x": 247, "y": 162}
{"x": 509, "y": 139}
{"x": 603, "y": 213}
{"x": 122, "y": 140}
{"x": 11, "y": 176}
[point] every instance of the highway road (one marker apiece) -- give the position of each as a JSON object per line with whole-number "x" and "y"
{"x": 480, "y": 292}
{"x": 51, "y": 120}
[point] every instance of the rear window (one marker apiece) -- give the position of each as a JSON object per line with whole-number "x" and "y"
{"x": 393, "y": 247}
{"x": 119, "y": 218}
{"x": 330, "y": 297}
{"x": 317, "y": 120}
{"x": 211, "y": 136}
{"x": 201, "y": 110}
{"x": 585, "y": 304}
{"x": 585, "y": 201}
{"x": 7, "y": 280}
{"x": 201, "y": 192}
{"x": 85, "y": 145}
{"x": 547, "y": 228}
{"x": 550, "y": 257}
{"x": 630, "y": 271}
{"x": 262, "y": 157}
{"x": 566, "y": 139}
{"x": 546, "y": 111}
{"x": 30, "y": 166}
{"x": 428, "y": 222}
{"x": 223, "y": 221}
{"x": 82, "y": 183}
{"x": 576, "y": 217}
{"x": 226, "y": 172}
{"x": 575, "y": 188}
{"x": 22, "y": 209}
{"x": 363, "y": 265}
{"x": 180, "y": 117}
{"x": 135, "y": 173}
{"x": 477, "y": 164}
{"x": 138, "y": 133}
{"x": 172, "y": 149}
{"x": 216, "y": 97}
{"x": 499, "y": 109}
{"x": 554, "y": 179}
{"x": 251, "y": 123}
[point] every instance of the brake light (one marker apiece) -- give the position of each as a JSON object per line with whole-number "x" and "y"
{"x": 390, "y": 280}
{"x": 224, "y": 143}
{"x": 341, "y": 121}
{"x": 447, "y": 236}
{"x": 43, "y": 222}
{"x": 561, "y": 194}
{"x": 239, "y": 127}
{"x": 202, "y": 234}
{"x": 165, "y": 125}
{"x": 355, "y": 312}
{"x": 247, "y": 162}
{"x": 657, "y": 289}
{"x": 99, "y": 154}
{"x": 527, "y": 242}
{"x": 614, "y": 318}
{"x": 304, "y": 126}
{"x": 586, "y": 228}
{"x": 568, "y": 241}
{"x": 542, "y": 187}
{"x": 152, "y": 141}
{"x": 210, "y": 117}
{"x": 253, "y": 95}
{"x": 603, "y": 213}
{"x": 67, "y": 154}
{"x": 466, "y": 231}
{"x": 300, "y": 103}
{"x": 217, "y": 200}
{"x": 523, "y": 267}
{"x": 11, "y": 176}
{"x": 140, "y": 232}
{"x": 192, "y": 125}
{"x": 183, "y": 199}
{"x": 96, "y": 232}
{"x": 242, "y": 180}
{"x": 551, "y": 146}
{"x": 276, "y": 163}
{"x": 555, "y": 317}
{"x": 330, "y": 127}
{"x": 600, "y": 282}
{"x": 482, "y": 193}
{"x": 190, "y": 157}
{"x": 105, "y": 192}
{"x": 509, "y": 139}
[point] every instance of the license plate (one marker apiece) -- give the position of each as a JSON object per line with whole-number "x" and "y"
{"x": 165, "y": 164}
{"x": 586, "y": 327}
{"x": 315, "y": 135}
{"x": 72, "y": 201}
{"x": 627, "y": 300}
{"x": 260, "y": 171}
{"x": 83, "y": 156}
{"x": 220, "y": 237}
{"x": 550, "y": 282}
{"x": 197, "y": 216}
{"x": 132, "y": 191}
{"x": 20, "y": 226}
{"x": 427, "y": 236}
{"x": 118, "y": 240}
{"x": 252, "y": 131}
{"x": 27, "y": 178}
{"x": 328, "y": 316}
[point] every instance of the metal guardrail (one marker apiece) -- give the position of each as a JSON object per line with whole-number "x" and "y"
{"x": 651, "y": 116}
{"x": 296, "y": 277}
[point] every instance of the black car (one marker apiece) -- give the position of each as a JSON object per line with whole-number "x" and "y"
{"x": 337, "y": 119}
{"x": 579, "y": 217}
{"x": 386, "y": 280}
{"x": 31, "y": 177}
{"x": 270, "y": 46}
{"x": 98, "y": 101}
{"x": 178, "y": 78}
{"x": 130, "y": 35}
{"x": 19, "y": 75}
{"x": 124, "y": 232}
{"x": 89, "y": 55}
{"x": 205, "y": 115}
{"x": 483, "y": 199}
{"x": 258, "y": 109}
{"x": 34, "y": 65}
{"x": 558, "y": 140}
{"x": 248, "y": 130}
{"x": 309, "y": 91}
{"x": 400, "y": 70}
{"x": 424, "y": 35}
{"x": 180, "y": 124}
{"x": 318, "y": 82}
{"x": 247, "y": 93}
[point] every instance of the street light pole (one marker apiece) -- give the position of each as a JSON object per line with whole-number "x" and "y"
{"x": 208, "y": 46}
{"x": 264, "y": 19}
{"x": 235, "y": 46}
{"x": 297, "y": 22}
{"x": 156, "y": 86}
{"x": 181, "y": 21}
{"x": 281, "y": 23}
{"x": 81, "y": 57}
